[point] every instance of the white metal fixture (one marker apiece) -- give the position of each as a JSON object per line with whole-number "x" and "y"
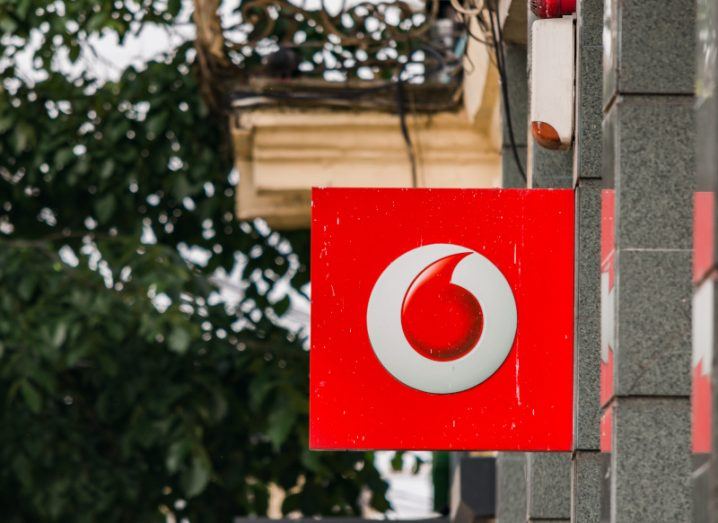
{"x": 552, "y": 82}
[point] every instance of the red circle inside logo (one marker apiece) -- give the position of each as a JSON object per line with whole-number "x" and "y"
{"x": 440, "y": 320}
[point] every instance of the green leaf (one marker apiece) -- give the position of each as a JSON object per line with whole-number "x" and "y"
{"x": 176, "y": 455}
{"x": 196, "y": 478}
{"x": 397, "y": 461}
{"x": 105, "y": 207}
{"x": 97, "y": 21}
{"x": 282, "y": 306}
{"x": 63, "y": 157}
{"x": 281, "y": 421}
{"x": 6, "y": 122}
{"x": 157, "y": 124}
{"x": 179, "y": 340}
{"x": 23, "y": 7}
{"x": 7, "y": 24}
{"x": 260, "y": 389}
{"x": 23, "y": 137}
{"x": 27, "y": 286}
{"x": 181, "y": 186}
{"x": 32, "y": 397}
{"x": 108, "y": 166}
{"x": 118, "y": 131}
{"x": 174, "y": 6}
{"x": 74, "y": 53}
{"x": 311, "y": 460}
{"x": 59, "y": 335}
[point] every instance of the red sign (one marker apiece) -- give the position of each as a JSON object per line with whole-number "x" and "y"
{"x": 703, "y": 314}
{"x": 442, "y": 319}
{"x": 608, "y": 301}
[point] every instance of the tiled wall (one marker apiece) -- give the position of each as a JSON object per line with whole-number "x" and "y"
{"x": 704, "y": 267}
{"x": 649, "y": 161}
{"x": 644, "y": 299}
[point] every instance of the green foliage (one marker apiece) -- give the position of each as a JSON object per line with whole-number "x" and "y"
{"x": 131, "y": 387}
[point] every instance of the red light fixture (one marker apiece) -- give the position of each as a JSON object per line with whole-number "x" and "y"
{"x": 553, "y": 8}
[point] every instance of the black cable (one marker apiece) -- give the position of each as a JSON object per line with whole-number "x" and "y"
{"x": 401, "y": 107}
{"x": 498, "y": 47}
{"x": 467, "y": 26}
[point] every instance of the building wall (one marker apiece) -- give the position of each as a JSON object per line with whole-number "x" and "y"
{"x": 640, "y": 299}
{"x": 703, "y": 401}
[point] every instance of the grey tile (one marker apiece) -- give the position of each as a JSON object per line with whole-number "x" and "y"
{"x": 700, "y": 482}
{"x": 653, "y": 329}
{"x": 706, "y": 139}
{"x": 552, "y": 182}
{"x": 587, "y": 409}
{"x": 589, "y": 112}
{"x": 549, "y": 169}
{"x": 714, "y": 406}
{"x": 610, "y": 51}
{"x": 707, "y": 45}
{"x": 606, "y": 474}
{"x": 654, "y": 171}
{"x": 511, "y": 487}
{"x": 656, "y": 46}
{"x": 589, "y": 22}
{"x": 517, "y": 86}
{"x": 608, "y": 148}
{"x": 549, "y": 485}
{"x": 511, "y": 177}
{"x": 586, "y": 481}
{"x": 651, "y": 460}
{"x": 707, "y": 160}
{"x": 473, "y": 489}
{"x": 530, "y": 19}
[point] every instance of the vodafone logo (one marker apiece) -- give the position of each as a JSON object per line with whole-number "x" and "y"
{"x": 429, "y": 331}
{"x": 441, "y": 318}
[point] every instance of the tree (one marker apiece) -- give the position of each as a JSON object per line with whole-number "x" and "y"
{"x": 132, "y": 385}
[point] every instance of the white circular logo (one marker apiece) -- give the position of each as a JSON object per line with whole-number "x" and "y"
{"x": 441, "y": 318}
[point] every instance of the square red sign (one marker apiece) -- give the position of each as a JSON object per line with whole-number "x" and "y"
{"x": 442, "y": 319}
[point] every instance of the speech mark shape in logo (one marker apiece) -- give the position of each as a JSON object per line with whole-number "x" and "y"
{"x": 441, "y": 318}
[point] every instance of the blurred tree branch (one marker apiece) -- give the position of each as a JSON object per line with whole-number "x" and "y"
{"x": 132, "y": 389}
